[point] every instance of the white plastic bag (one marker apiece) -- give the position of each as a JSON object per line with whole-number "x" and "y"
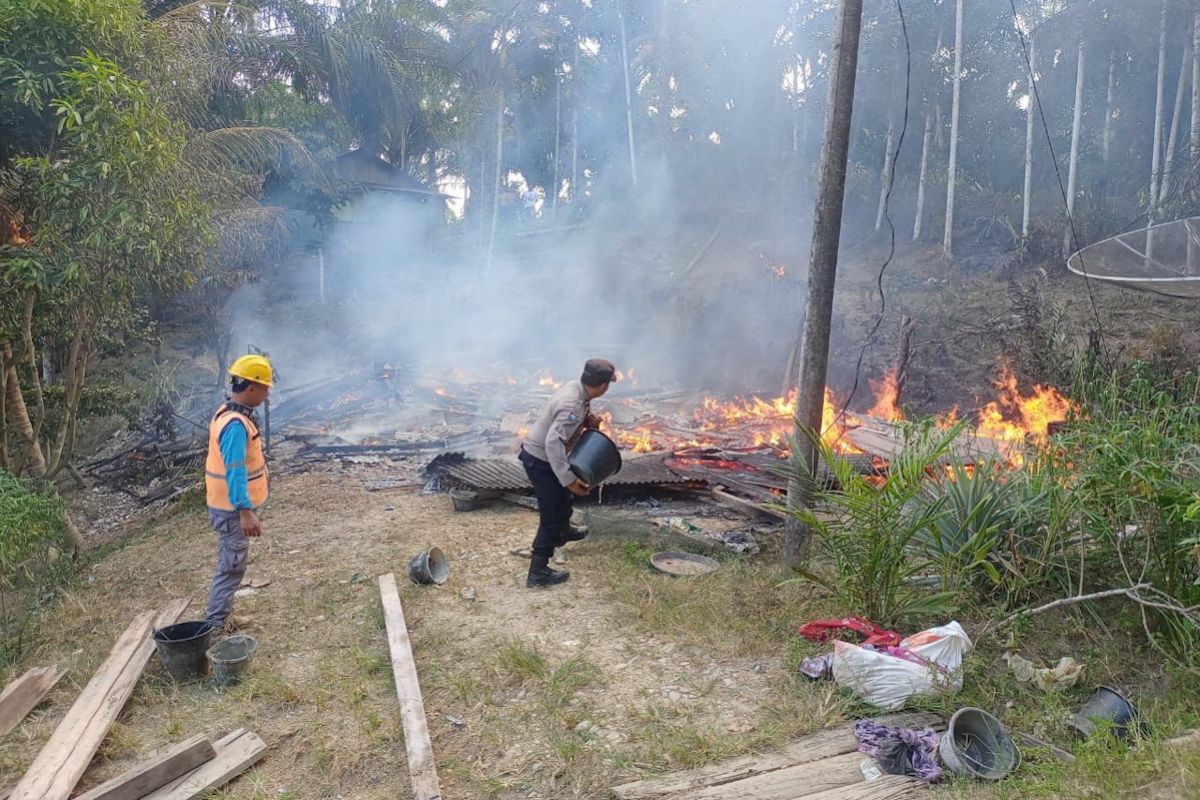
{"x": 926, "y": 663}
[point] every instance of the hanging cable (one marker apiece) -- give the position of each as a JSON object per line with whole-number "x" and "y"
{"x": 887, "y": 197}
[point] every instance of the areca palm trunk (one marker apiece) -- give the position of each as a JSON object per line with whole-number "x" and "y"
{"x": 1156, "y": 155}
{"x": 919, "y": 214}
{"x": 1164, "y": 191}
{"x": 1073, "y": 170}
{"x": 1106, "y": 136}
{"x": 575, "y": 100}
{"x": 498, "y": 176}
{"x": 1027, "y": 204}
{"x": 926, "y": 143}
{"x": 1192, "y": 250}
{"x": 557, "y": 136}
{"x": 952, "y": 169}
{"x": 628, "y": 100}
{"x": 888, "y": 155}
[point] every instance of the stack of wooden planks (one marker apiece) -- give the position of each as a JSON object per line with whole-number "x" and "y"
{"x": 186, "y": 771}
{"x": 823, "y": 766}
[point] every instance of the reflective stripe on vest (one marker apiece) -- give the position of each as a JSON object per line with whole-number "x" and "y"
{"x": 257, "y": 478}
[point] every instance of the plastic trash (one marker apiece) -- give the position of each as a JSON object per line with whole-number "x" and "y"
{"x": 929, "y": 662}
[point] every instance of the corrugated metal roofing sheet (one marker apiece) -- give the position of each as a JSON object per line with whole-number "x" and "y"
{"x": 509, "y": 475}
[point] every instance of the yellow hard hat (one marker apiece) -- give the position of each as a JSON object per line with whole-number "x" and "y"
{"x": 252, "y": 368}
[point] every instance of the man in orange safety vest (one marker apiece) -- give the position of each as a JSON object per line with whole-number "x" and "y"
{"x": 236, "y": 482}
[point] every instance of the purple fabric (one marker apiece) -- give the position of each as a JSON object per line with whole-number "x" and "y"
{"x": 921, "y": 747}
{"x": 819, "y": 668}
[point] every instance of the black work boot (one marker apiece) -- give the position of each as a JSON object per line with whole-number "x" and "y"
{"x": 573, "y": 533}
{"x": 540, "y": 574}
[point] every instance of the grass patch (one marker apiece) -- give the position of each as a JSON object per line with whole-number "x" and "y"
{"x": 740, "y": 610}
{"x": 521, "y": 661}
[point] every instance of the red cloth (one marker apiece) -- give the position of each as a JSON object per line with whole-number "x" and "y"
{"x": 820, "y": 630}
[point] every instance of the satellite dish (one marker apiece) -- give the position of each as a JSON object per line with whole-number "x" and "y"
{"x": 1163, "y": 258}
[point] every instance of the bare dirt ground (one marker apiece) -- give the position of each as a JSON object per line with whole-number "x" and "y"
{"x": 549, "y": 693}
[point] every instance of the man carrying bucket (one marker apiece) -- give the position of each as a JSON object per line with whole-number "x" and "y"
{"x": 544, "y": 456}
{"x": 236, "y": 482}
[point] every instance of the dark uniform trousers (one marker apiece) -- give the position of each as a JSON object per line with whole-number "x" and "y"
{"x": 554, "y": 505}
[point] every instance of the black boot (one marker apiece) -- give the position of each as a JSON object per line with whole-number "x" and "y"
{"x": 572, "y": 534}
{"x": 542, "y": 575}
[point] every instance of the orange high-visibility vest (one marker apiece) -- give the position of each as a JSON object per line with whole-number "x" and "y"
{"x": 214, "y": 466}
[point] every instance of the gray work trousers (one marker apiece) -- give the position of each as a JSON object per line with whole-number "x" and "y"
{"x": 233, "y": 551}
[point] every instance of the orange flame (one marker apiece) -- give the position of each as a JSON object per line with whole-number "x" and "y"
{"x": 548, "y": 380}
{"x": 639, "y": 441}
{"x": 887, "y": 396}
{"x": 1017, "y": 417}
{"x": 947, "y": 420}
{"x": 779, "y": 271}
{"x": 440, "y": 391}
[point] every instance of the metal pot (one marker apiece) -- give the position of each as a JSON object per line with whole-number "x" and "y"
{"x": 595, "y": 458}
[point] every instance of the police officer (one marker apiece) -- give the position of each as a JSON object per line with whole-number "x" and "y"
{"x": 236, "y": 481}
{"x": 544, "y": 455}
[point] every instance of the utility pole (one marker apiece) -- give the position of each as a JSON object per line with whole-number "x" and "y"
{"x": 818, "y": 308}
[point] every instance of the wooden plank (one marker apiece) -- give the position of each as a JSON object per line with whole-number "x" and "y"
{"x": 1186, "y": 739}
{"x": 421, "y": 768}
{"x": 236, "y": 752}
{"x": 814, "y": 747}
{"x": 801, "y": 780}
{"x": 721, "y": 496}
{"x": 22, "y": 696}
{"x": 65, "y": 757}
{"x": 171, "y": 763}
{"x": 889, "y": 787}
{"x": 1057, "y": 752}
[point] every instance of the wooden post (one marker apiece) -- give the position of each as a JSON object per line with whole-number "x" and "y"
{"x": 903, "y": 354}
{"x": 827, "y": 229}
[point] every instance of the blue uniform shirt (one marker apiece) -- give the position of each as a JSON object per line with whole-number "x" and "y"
{"x": 233, "y": 441}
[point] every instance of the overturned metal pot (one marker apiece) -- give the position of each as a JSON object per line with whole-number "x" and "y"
{"x": 429, "y": 567}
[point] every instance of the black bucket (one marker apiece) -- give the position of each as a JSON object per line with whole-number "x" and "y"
{"x": 595, "y": 458}
{"x": 429, "y": 567}
{"x": 181, "y": 649}
{"x": 1108, "y": 709}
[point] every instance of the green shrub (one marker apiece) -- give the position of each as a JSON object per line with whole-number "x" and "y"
{"x": 1132, "y": 467}
{"x": 31, "y": 536}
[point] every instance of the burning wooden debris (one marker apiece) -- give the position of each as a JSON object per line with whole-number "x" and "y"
{"x": 678, "y": 438}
